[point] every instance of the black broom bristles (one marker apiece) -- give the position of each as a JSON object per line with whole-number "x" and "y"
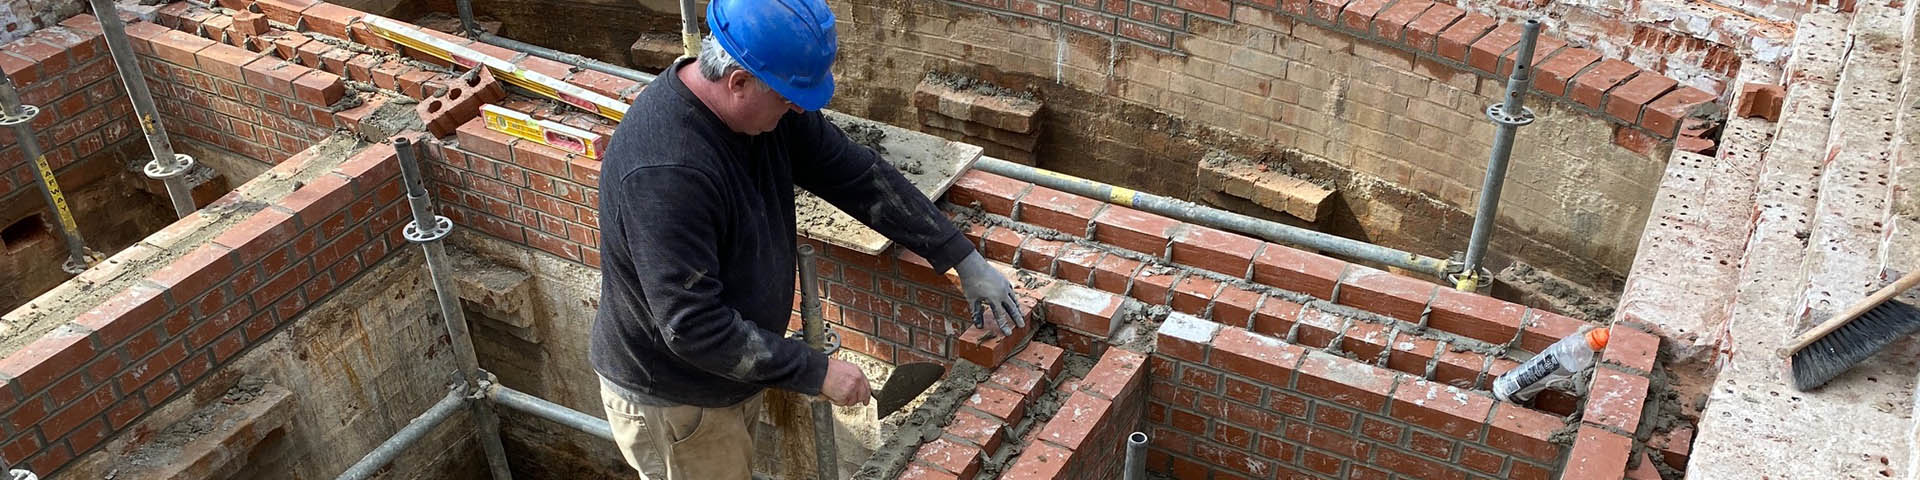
{"x": 1852, "y": 343}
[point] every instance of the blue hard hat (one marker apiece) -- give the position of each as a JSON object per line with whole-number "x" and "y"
{"x": 788, "y": 44}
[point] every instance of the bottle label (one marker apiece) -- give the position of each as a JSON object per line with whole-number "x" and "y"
{"x": 1527, "y": 375}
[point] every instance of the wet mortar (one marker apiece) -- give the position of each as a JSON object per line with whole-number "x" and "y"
{"x": 906, "y": 430}
{"x": 928, "y": 162}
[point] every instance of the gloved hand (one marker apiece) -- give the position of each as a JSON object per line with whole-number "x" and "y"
{"x": 990, "y": 295}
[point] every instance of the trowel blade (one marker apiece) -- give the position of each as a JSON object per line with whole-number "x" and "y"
{"x": 907, "y": 382}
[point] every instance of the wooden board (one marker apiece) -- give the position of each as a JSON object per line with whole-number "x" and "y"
{"x": 932, "y": 163}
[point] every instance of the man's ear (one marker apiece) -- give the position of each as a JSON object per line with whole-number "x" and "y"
{"x": 738, "y": 80}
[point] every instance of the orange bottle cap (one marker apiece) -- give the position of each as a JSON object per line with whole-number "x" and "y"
{"x": 1597, "y": 338}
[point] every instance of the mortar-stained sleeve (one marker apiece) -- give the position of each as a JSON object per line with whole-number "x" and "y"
{"x": 854, "y": 179}
{"x": 671, "y": 216}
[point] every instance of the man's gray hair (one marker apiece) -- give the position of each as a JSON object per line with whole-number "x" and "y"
{"x": 714, "y": 61}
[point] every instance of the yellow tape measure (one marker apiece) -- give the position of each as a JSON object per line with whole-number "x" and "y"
{"x": 59, "y": 199}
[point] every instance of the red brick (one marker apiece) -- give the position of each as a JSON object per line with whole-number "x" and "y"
{"x": 1552, "y": 76}
{"x": 1118, "y": 374}
{"x": 258, "y": 235}
{"x": 319, "y": 88}
{"x": 1084, "y": 309}
{"x": 1210, "y": 249}
{"x": 1087, "y": 19}
{"x": 956, "y": 458}
{"x": 1153, "y": 286}
{"x": 1416, "y": 467}
{"x": 1591, "y": 87}
{"x": 1631, "y": 348}
{"x": 1358, "y": 16}
{"x": 1542, "y": 328}
{"x": 1326, "y": 439}
{"x": 1344, "y": 381}
{"x": 1043, "y": 357}
{"x": 1484, "y": 54}
{"x": 77, "y": 413}
{"x": 1663, "y": 116}
{"x": 179, "y": 47}
{"x": 196, "y": 272}
{"x": 1616, "y": 400}
{"x": 1078, "y": 416}
{"x": 273, "y": 75}
{"x": 1627, "y": 100}
{"x": 1039, "y": 461}
{"x": 288, "y": 11}
{"x": 1326, "y": 10}
{"x": 1068, "y": 213}
{"x": 1475, "y": 316}
{"x": 1298, "y": 271}
{"x": 975, "y": 345}
{"x": 1258, "y": 357}
{"x": 1001, "y": 243}
{"x": 1074, "y": 263}
{"x": 1217, "y": 8}
{"x": 921, "y": 471}
{"x": 1391, "y": 22}
{"x": 997, "y": 402}
{"x": 250, "y": 24}
{"x": 1113, "y": 273}
{"x": 38, "y": 364}
{"x": 1423, "y": 33}
{"x": 1597, "y": 454}
{"x": 1134, "y": 230}
{"x": 1386, "y": 294}
{"x": 1188, "y": 338}
{"x": 125, "y": 313}
{"x": 1234, "y": 306}
{"x": 475, "y": 137}
{"x": 1760, "y": 100}
{"x": 1481, "y": 460}
{"x": 1193, "y": 294}
{"x": 977, "y": 430}
{"x": 1442, "y": 408}
{"x": 1275, "y": 316}
{"x": 225, "y": 61}
{"x": 1524, "y": 432}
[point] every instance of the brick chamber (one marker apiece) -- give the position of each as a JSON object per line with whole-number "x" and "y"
{"x": 1242, "y": 358}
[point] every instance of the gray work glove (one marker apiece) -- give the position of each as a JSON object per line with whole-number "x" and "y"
{"x": 990, "y": 295}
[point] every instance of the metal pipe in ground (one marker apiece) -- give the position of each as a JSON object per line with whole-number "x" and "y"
{"x": 169, "y": 167}
{"x": 1136, "y": 457}
{"x": 526, "y": 403}
{"x": 401, "y": 440}
{"x": 827, "y": 455}
{"x": 428, "y": 230}
{"x": 1212, "y": 217}
{"x": 465, "y": 9}
{"x": 19, "y": 117}
{"x": 1509, "y": 115}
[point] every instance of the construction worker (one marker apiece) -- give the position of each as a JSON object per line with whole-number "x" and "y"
{"x": 698, "y": 235}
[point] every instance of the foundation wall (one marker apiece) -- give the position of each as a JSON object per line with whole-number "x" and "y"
{"x": 1386, "y": 107}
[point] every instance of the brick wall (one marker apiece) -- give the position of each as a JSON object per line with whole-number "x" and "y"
{"x": 1392, "y": 115}
{"x": 18, "y": 18}
{"x": 89, "y": 379}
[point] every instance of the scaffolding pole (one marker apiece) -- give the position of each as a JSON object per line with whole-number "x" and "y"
{"x": 405, "y": 438}
{"x": 474, "y": 381}
{"x": 20, "y": 117}
{"x": 1510, "y": 116}
{"x": 168, "y": 167}
{"x": 539, "y": 407}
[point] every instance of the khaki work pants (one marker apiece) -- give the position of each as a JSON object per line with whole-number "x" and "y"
{"x": 684, "y": 442}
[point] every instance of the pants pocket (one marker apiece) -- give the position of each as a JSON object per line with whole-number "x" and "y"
{"x": 684, "y": 423}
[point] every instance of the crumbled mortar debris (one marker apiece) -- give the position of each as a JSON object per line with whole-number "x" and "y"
{"x": 868, "y": 135}
{"x": 965, "y": 83}
{"x": 1574, "y": 300}
{"x": 1138, "y": 328}
{"x": 245, "y": 391}
{"x": 395, "y": 116}
{"x": 163, "y": 448}
{"x": 1219, "y": 158}
{"x": 905, "y": 431}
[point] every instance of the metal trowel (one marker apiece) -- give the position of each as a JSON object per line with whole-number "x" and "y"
{"x": 908, "y": 382}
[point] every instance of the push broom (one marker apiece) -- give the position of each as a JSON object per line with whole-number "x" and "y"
{"x": 1850, "y": 337}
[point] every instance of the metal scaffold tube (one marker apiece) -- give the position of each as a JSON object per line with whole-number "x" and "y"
{"x": 1510, "y": 116}
{"x": 689, "y": 29}
{"x": 405, "y": 438}
{"x": 815, "y": 326}
{"x": 539, "y": 407}
{"x": 1212, "y": 217}
{"x": 20, "y": 117}
{"x": 169, "y": 167}
{"x": 428, "y": 230}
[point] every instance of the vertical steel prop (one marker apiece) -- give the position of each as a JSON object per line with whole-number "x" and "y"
{"x": 20, "y": 117}
{"x": 428, "y": 229}
{"x": 1510, "y": 116}
{"x": 815, "y": 330}
{"x": 168, "y": 167}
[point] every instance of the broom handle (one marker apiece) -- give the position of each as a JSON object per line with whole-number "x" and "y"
{"x": 1906, "y": 282}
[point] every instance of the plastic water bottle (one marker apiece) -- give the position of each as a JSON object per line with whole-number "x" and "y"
{"x": 1558, "y": 363}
